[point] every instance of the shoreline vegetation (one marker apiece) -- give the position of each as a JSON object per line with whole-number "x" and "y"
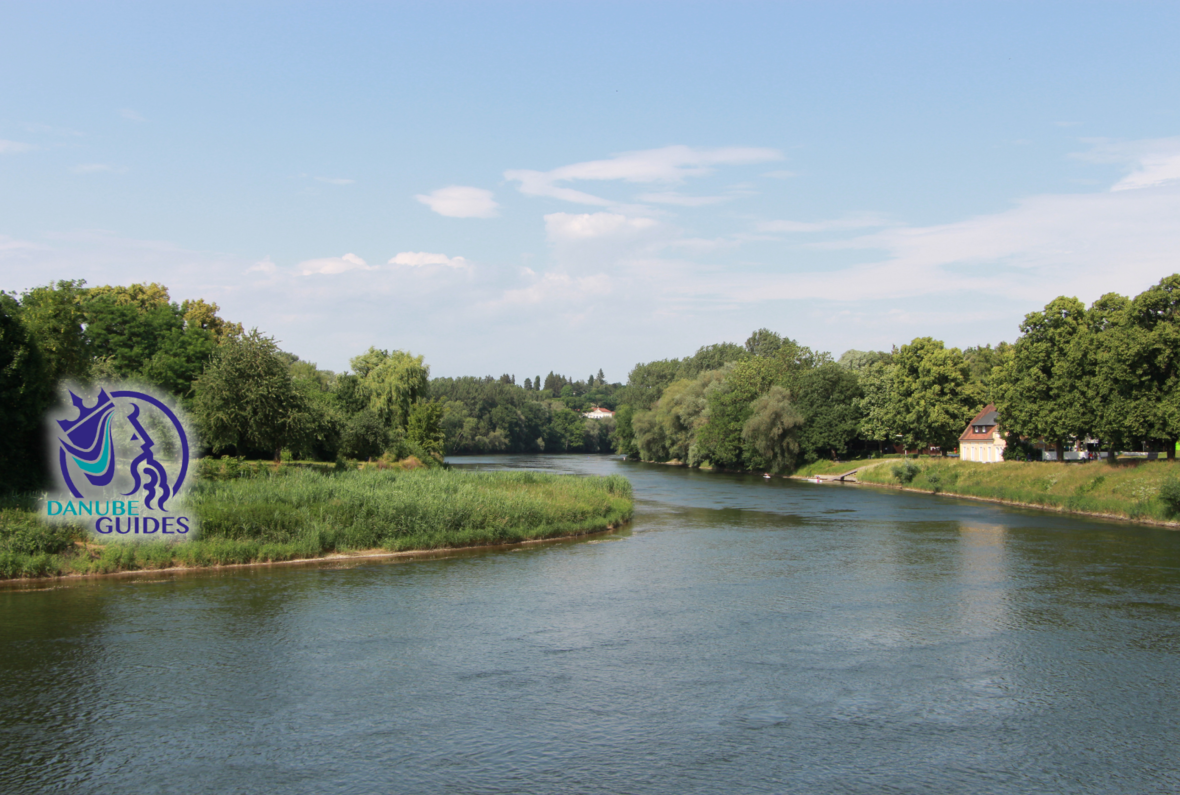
{"x": 279, "y": 514}
{"x": 1126, "y": 490}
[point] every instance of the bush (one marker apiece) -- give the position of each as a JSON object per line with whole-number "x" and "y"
{"x": 906, "y": 471}
{"x": 1170, "y": 494}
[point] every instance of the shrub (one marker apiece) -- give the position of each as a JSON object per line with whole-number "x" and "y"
{"x": 906, "y": 471}
{"x": 1170, "y": 494}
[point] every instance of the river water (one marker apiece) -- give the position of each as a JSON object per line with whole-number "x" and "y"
{"x": 741, "y": 636}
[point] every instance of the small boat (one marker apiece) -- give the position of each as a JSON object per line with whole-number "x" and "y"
{"x": 766, "y": 475}
{"x": 817, "y": 479}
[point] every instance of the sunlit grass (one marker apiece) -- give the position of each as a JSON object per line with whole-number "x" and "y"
{"x": 1129, "y": 489}
{"x": 300, "y": 513}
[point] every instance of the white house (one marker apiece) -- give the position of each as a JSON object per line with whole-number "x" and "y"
{"x": 598, "y": 413}
{"x": 982, "y": 441}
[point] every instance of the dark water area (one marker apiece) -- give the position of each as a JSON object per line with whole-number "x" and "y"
{"x": 739, "y": 636}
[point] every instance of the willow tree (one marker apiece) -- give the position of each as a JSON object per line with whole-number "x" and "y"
{"x": 391, "y": 381}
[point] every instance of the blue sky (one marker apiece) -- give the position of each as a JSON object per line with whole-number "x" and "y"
{"x": 514, "y": 187}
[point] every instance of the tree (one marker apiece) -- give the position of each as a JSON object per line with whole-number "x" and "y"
{"x": 568, "y": 430}
{"x": 391, "y": 381}
{"x": 246, "y": 398}
{"x": 425, "y": 427}
{"x": 773, "y": 428}
{"x": 1153, "y": 349}
{"x": 827, "y": 398}
{"x": 928, "y": 402}
{"x": 763, "y": 342}
{"x": 874, "y": 403}
{"x": 55, "y": 317}
{"x": 1040, "y": 388}
{"x": 719, "y": 440}
{"x": 26, "y": 392}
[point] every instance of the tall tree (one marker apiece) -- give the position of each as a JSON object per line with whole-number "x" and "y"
{"x": 55, "y": 317}
{"x": 26, "y": 391}
{"x": 929, "y": 402}
{"x": 247, "y": 398}
{"x": 392, "y": 381}
{"x": 772, "y": 429}
{"x": 1040, "y": 390}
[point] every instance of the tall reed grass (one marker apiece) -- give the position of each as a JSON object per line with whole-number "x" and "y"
{"x": 301, "y": 513}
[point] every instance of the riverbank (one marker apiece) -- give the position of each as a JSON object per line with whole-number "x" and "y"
{"x": 1125, "y": 490}
{"x": 305, "y": 515}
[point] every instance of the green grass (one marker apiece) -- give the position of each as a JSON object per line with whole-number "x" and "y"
{"x": 1129, "y": 489}
{"x": 834, "y": 467}
{"x": 301, "y": 513}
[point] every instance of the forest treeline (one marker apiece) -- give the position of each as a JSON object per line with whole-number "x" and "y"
{"x": 250, "y": 398}
{"x": 1108, "y": 372}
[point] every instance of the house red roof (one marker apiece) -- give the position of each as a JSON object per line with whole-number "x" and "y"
{"x": 980, "y": 428}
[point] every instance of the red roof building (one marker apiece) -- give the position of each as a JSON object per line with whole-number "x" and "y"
{"x": 982, "y": 441}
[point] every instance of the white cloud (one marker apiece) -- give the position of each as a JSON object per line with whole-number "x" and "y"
{"x": 1150, "y": 162}
{"x": 564, "y": 227}
{"x": 421, "y": 259}
{"x": 336, "y": 180}
{"x": 94, "y": 168}
{"x": 131, "y": 115}
{"x": 263, "y": 266}
{"x": 13, "y": 147}
{"x": 334, "y": 265}
{"x": 680, "y": 199}
{"x": 670, "y": 164}
{"x": 460, "y": 201}
{"x": 859, "y": 221}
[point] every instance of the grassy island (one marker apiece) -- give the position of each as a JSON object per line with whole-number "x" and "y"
{"x": 293, "y": 513}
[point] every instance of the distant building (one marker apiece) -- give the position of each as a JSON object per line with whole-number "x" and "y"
{"x": 982, "y": 441}
{"x": 597, "y": 413}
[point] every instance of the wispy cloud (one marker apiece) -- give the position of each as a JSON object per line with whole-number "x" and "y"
{"x": 1149, "y": 163}
{"x": 848, "y": 222}
{"x": 422, "y": 259}
{"x": 670, "y": 165}
{"x": 680, "y": 199}
{"x": 460, "y": 201}
{"x": 336, "y": 180}
{"x": 14, "y": 147}
{"x": 333, "y": 265}
{"x": 131, "y": 115}
{"x": 95, "y": 168}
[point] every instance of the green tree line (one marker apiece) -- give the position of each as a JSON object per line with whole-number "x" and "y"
{"x": 253, "y": 399}
{"x": 1110, "y": 372}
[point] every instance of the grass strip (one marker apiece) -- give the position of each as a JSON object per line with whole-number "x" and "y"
{"x": 1128, "y": 489}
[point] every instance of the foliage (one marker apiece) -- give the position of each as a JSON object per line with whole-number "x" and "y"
{"x": 425, "y": 427}
{"x": 1037, "y": 391}
{"x": 25, "y": 394}
{"x": 1169, "y": 492}
{"x": 773, "y": 428}
{"x": 905, "y": 471}
{"x": 828, "y": 397}
{"x": 928, "y": 402}
{"x": 391, "y": 381}
{"x": 247, "y": 399}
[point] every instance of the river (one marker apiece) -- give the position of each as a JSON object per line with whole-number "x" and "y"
{"x": 740, "y": 636}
